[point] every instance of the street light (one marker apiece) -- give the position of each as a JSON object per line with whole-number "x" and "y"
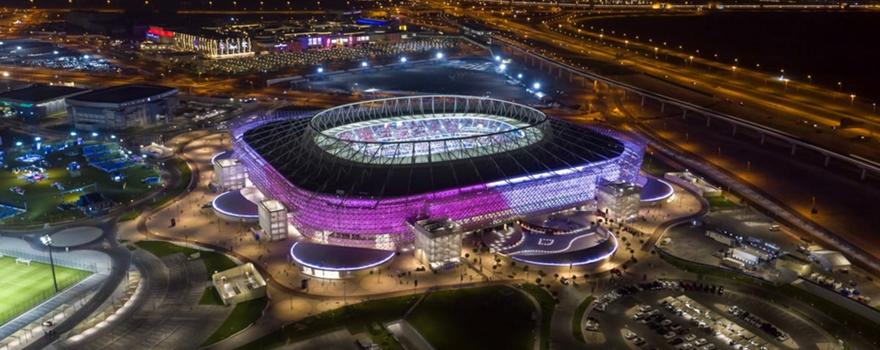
{"x": 439, "y": 55}
{"x": 536, "y": 85}
{"x": 403, "y": 60}
{"x": 320, "y": 70}
{"x": 852, "y": 98}
{"x": 364, "y": 64}
{"x": 47, "y": 241}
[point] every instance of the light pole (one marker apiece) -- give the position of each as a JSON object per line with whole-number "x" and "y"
{"x": 47, "y": 241}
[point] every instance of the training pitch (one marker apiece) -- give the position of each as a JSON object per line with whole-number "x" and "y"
{"x": 23, "y": 286}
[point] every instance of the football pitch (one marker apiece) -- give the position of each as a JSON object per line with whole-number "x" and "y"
{"x": 23, "y": 286}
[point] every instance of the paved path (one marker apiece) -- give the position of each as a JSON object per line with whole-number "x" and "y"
{"x": 166, "y": 316}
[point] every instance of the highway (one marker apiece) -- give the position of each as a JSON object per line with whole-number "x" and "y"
{"x": 809, "y": 112}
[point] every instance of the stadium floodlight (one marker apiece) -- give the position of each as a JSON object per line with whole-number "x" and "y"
{"x": 439, "y": 55}
{"x": 403, "y": 60}
{"x": 47, "y": 241}
{"x": 536, "y": 85}
{"x": 364, "y": 64}
{"x": 320, "y": 70}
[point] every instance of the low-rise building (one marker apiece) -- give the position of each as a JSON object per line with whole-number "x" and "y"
{"x": 273, "y": 219}
{"x": 831, "y": 260}
{"x": 123, "y": 106}
{"x": 238, "y": 284}
{"x": 229, "y": 174}
{"x": 37, "y": 101}
{"x": 619, "y": 200}
{"x": 438, "y": 242}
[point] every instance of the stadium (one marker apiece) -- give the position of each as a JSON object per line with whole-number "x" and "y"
{"x": 360, "y": 174}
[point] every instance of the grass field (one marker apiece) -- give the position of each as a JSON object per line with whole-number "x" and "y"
{"x": 26, "y": 286}
{"x": 494, "y": 317}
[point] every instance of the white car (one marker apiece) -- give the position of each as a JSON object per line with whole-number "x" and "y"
{"x": 701, "y": 342}
{"x": 628, "y": 334}
{"x": 690, "y": 337}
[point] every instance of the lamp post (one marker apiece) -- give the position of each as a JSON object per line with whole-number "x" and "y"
{"x": 47, "y": 241}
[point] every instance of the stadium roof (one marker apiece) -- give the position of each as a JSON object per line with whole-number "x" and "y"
{"x": 123, "y": 93}
{"x": 39, "y": 93}
{"x": 290, "y": 148}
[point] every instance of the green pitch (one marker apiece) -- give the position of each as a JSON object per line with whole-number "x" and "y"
{"x": 23, "y": 287}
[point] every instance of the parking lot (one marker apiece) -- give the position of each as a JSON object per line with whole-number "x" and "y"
{"x": 670, "y": 315}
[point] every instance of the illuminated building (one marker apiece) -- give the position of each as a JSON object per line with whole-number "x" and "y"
{"x": 359, "y": 174}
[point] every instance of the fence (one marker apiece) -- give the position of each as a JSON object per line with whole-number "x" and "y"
{"x": 44, "y": 258}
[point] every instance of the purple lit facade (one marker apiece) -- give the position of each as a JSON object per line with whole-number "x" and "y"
{"x": 382, "y": 222}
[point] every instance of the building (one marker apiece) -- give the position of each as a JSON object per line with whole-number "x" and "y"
{"x": 831, "y": 260}
{"x": 229, "y": 174}
{"x": 793, "y": 263}
{"x": 359, "y": 174}
{"x": 746, "y": 256}
{"x": 213, "y": 45}
{"x": 723, "y": 238}
{"x": 437, "y": 242}
{"x": 121, "y": 107}
{"x": 619, "y": 201}
{"x": 37, "y": 101}
{"x": 273, "y": 219}
{"x": 238, "y": 284}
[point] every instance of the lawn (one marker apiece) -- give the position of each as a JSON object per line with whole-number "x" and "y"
{"x": 22, "y": 286}
{"x": 356, "y": 318}
{"x": 213, "y": 261}
{"x": 42, "y": 200}
{"x": 721, "y": 203}
{"x": 495, "y": 317}
{"x": 548, "y": 305}
{"x": 210, "y": 297}
{"x": 576, "y": 329}
{"x": 656, "y": 167}
{"x": 243, "y": 315}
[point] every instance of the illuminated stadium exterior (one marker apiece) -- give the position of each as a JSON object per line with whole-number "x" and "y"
{"x": 356, "y": 174}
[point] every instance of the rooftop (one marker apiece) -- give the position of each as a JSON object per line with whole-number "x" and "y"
{"x": 286, "y": 146}
{"x": 337, "y": 258}
{"x": 40, "y": 93}
{"x": 123, "y": 93}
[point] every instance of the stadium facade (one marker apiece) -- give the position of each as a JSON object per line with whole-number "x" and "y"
{"x": 360, "y": 174}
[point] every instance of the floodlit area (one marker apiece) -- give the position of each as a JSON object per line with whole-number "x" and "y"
{"x": 28, "y": 282}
